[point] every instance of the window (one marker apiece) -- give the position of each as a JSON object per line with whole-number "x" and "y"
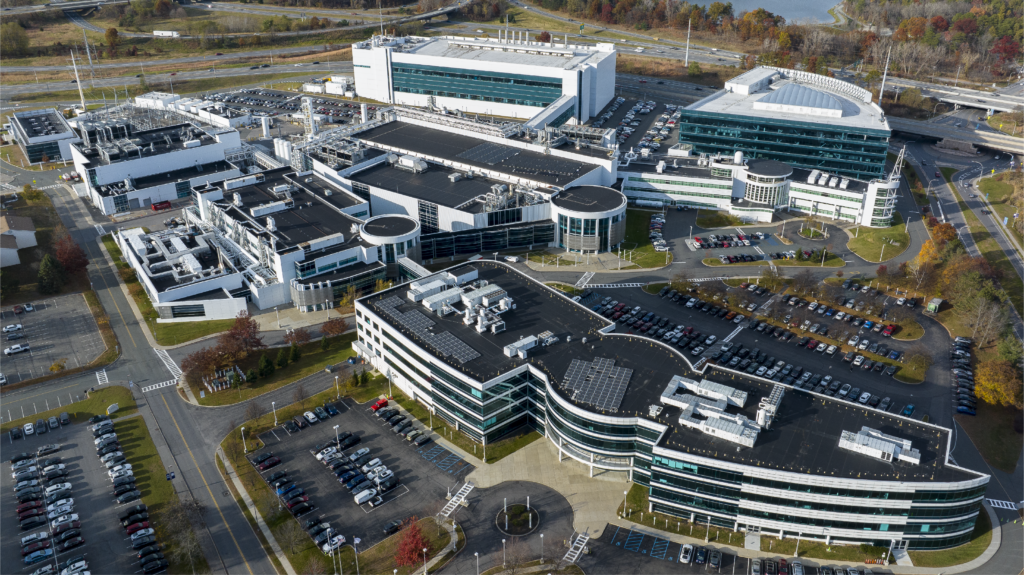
{"x": 196, "y": 310}
{"x": 428, "y": 217}
{"x": 503, "y": 217}
{"x": 518, "y": 89}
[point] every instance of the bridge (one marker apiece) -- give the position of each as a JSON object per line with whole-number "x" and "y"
{"x": 965, "y": 97}
{"x": 993, "y": 140}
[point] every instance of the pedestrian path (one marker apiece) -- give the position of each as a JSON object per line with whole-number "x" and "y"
{"x": 998, "y": 504}
{"x": 585, "y": 280}
{"x": 101, "y": 377}
{"x": 171, "y": 366}
{"x": 157, "y": 386}
{"x": 613, "y": 286}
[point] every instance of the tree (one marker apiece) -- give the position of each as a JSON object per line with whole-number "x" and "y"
{"x": 364, "y": 377}
{"x": 59, "y": 365}
{"x": 266, "y": 366}
{"x": 51, "y": 275}
{"x": 334, "y": 326}
{"x": 1010, "y": 350}
{"x": 694, "y": 70}
{"x": 943, "y": 233}
{"x": 325, "y": 344}
{"x": 13, "y": 39}
{"x": 112, "y": 38}
{"x": 999, "y": 383}
{"x": 410, "y": 548}
{"x": 300, "y": 395}
{"x": 354, "y": 380}
{"x": 316, "y": 565}
{"x": 1007, "y": 50}
{"x": 292, "y": 536}
{"x": 199, "y": 363}
{"x": 246, "y": 332}
{"x": 298, "y": 336}
{"x": 187, "y": 547}
{"x": 544, "y": 37}
{"x": 682, "y": 281}
{"x": 382, "y": 285}
{"x": 254, "y": 410}
{"x": 294, "y": 354}
{"x": 882, "y": 273}
{"x": 803, "y": 282}
{"x": 516, "y": 557}
{"x": 282, "y": 357}
{"x": 70, "y": 254}
{"x": 252, "y": 375}
{"x": 770, "y": 279}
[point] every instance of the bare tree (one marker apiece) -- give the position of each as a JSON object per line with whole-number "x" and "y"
{"x": 254, "y": 410}
{"x": 291, "y": 536}
{"x": 817, "y": 42}
{"x": 315, "y": 566}
{"x": 300, "y": 395}
{"x": 516, "y": 557}
{"x": 989, "y": 322}
{"x": 186, "y": 547}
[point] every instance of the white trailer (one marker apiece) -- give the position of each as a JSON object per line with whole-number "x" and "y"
{"x": 166, "y": 34}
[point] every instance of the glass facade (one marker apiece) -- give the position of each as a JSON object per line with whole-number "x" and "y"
{"x": 469, "y": 242}
{"x": 496, "y": 87}
{"x": 853, "y": 152}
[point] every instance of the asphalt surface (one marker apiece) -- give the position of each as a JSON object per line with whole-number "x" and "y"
{"x": 60, "y": 328}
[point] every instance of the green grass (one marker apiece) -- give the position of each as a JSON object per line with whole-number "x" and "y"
{"x": 248, "y": 517}
{"x": 909, "y": 330}
{"x": 710, "y": 219}
{"x": 564, "y": 288}
{"x": 313, "y": 360}
{"x": 869, "y": 242}
{"x": 654, "y": 288}
{"x": 820, "y": 550}
{"x": 381, "y": 557}
{"x": 638, "y": 245}
{"x": 811, "y": 233}
{"x": 80, "y": 411}
{"x": 981, "y": 538}
{"x": 635, "y": 510}
{"x": 999, "y": 191}
{"x": 1004, "y": 122}
{"x": 163, "y": 333}
{"x": 992, "y": 433}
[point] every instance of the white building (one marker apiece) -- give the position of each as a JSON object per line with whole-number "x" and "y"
{"x": 8, "y": 251}
{"x": 510, "y": 76}
{"x": 205, "y": 111}
{"x": 43, "y": 133}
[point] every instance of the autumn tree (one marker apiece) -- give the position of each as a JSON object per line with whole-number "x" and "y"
{"x": 544, "y": 37}
{"x": 334, "y": 326}
{"x": 682, "y": 281}
{"x": 999, "y": 383}
{"x": 943, "y": 233}
{"x": 199, "y": 363}
{"x": 770, "y": 278}
{"x": 298, "y": 336}
{"x": 244, "y": 336}
{"x": 112, "y": 40}
{"x": 410, "y": 548}
{"x": 929, "y": 252}
{"x": 70, "y": 254}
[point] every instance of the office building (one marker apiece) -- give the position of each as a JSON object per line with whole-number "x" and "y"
{"x": 805, "y": 120}
{"x": 489, "y": 350}
{"x": 510, "y": 76}
{"x": 754, "y": 189}
{"x": 43, "y": 135}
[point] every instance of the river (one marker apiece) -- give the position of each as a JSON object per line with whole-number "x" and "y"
{"x": 792, "y": 10}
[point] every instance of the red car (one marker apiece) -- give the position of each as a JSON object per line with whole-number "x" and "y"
{"x": 31, "y": 513}
{"x": 293, "y": 502}
{"x": 269, "y": 463}
{"x": 380, "y": 403}
{"x": 30, "y": 505}
{"x": 34, "y": 547}
{"x": 156, "y": 207}
{"x": 887, "y": 332}
{"x": 66, "y": 526}
{"x": 136, "y": 526}
{"x": 812, "y": 344}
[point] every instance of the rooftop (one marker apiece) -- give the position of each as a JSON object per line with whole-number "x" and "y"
{"x": 36, "y": 123}
{"x": 792, "y": 95}
{"x": 804, "y": 436}
{"x": 432, "y": 185}
{"x": 386, "y": 226}
{"x": 496, "y": 51}
{"x": 515, "y": 162}
{"x": 769, "y": 168}
{"x": 188, "y": 173}
{"x": 19, "y": 223}
{"x": 8, "y": 242}
{"x": 589, "y": 199}
{"x": 148, "y": 144}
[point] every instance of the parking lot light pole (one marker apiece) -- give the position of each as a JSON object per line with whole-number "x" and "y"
{"x": 337, "y": 392}
{"x": 337, "y": 441}
{"x": 503, "y": 553}
{"x": 244, "y": 447}
{"x": 424, "y": 561}
{"x": 477, "y": 555}
{"x": 542, "y": 548}
{"x": 273, "y": 405}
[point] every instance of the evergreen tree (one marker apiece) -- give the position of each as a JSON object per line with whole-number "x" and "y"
{"x": 266, "y": 366}
{"x": 251, "y": 376}
{"x": 294, "y": 354}
{"x": 354, "y": 382}
{"x": 282, "y": 357}
{"x": 364, "y": 377}
{"x": 324, "y": 344}
{"x": 51, "y": 275}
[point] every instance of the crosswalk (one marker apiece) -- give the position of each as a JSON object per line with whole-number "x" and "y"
{"x": 758, "y": 250}
{"x": 585, "y": 280}
{"x": 998, "y": 504}
{"x": 101, "y": 377}
{"x": 100, "y": 230}
{"x": 171, "y": 366}
{"x": 734, "y": 333}
{"x": 160, "y": 385}
{"x": 698, "y": 280}
{"x": 611, "y": 286}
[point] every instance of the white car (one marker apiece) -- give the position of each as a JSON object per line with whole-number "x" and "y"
{"x": 901, "y": 301}
{"x": 686, "y": 554}
{"x": 29, "y": 429}
{"x": 78, "y": 568}
{"x": 853, "y": 340}
{"x": 61, "y": 503}
{"x": 864, "y": 343}
{"x": 326, "y": 453}
{"x": 142, "y": 533}
{"x": 333, "y": 544}
{"x": 55, "y": 488}
{"x": 12, "y": 327}
{"x": 104, "y": 438}
{"x": 110, "y": 456}
{"x": 512, "y": 259}
{"x": 56, "y": 467}
{"x": 17, "y": 348}
{"x": 60, "y": 512}
{"x": 864, "y": 397}
{"x": 382, "y": 475}
{"x": 359, "y": 454}
{"x": 119, "y": 468}
{"x": 122, "y": 473}
{"x": 372, "y": 464}
{"x": 311, "y": 417}
{"x": 30, "y": 539}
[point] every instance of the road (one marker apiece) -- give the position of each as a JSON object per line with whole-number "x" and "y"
{"x": 1002, "y": 101}
{"x": 967, "y": 133}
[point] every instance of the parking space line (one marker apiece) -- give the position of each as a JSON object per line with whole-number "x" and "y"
{"x": 659, "y": 547}
{"x": 633, "y": 541}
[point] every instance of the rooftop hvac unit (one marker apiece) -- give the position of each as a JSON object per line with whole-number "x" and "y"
{"x": 813, "y": 177}
{"x": 271, "y": 226}
{"x": 412, "y": 164}
{"x": 238, "y": 199}
{"x": 454, "y": 177}
{"x": 833, "y": 181}
{"x": 661, "y": 167}
{"x": 191, "y": 144}
{"x": 844, "y": 183}
{"x": 240, "y": 182}
{"x": 823, "y": 179}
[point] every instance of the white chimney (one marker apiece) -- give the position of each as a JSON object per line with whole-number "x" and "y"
{"x": 738, "y": 158}
{"x": 271, "y": 226}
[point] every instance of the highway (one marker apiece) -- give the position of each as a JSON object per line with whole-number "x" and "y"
{"x": 987, "y": 138}
{"x": 1005, "y": 100}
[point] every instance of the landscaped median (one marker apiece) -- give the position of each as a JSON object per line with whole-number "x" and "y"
{"x": 876, "y": 245}
{"x": 299, "y": 549}
{"x": 95, "y": 404}
{"x": 831, "y": 261}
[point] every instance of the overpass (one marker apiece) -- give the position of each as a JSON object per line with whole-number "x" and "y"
{"x": 993, "y": 140}
{"x": 965, "y": 97}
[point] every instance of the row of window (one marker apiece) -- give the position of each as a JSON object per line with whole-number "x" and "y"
{"x": 680, "y": 193}
{"x": 687, "y": 183}
{"x": 793, "y": 188}
{"x": 771, "y": 195}
{"x": 519, "y": 80}
{"x": 461, "y": 96}
{"x": 473, "y": 242}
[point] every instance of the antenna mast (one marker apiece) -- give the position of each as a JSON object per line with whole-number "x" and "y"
{"x": 885, "y": 74}
{"x": 80, "y": 94}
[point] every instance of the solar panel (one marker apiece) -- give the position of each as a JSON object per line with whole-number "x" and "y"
{"x": 415, "y": 321}
{"x": 599, "y": 383}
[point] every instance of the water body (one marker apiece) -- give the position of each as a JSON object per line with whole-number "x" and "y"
{"x": 792, "y": 10}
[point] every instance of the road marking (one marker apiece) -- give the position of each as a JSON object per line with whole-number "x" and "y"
{"x": 101, "y": 377}
{"x": 203, "y": 477}
{"x": 758, "y": 250}
{"x": 100, "y": 230}
{"x": 999, "y": 504}
{"x": 734, "y": 333}
{"x": 609, "y": 286}
{"x": 585, "y": 280}
{"x": 156, "y": 386}
{"x": 168, "y": 362}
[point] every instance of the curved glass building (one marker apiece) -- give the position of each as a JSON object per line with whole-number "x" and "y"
{"x": 490, "y": 350}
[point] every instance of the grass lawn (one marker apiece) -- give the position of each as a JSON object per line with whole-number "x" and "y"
{"x": 1007, "y": 123}
{"x": 999, "y": 189}
{"x": 248, "y": 517}
{"x": 811, "y": 233}
{"x": 564, "y": 288}
{"x": 868, "y": 243}
{"x": 636, "y": 506}
{"x": 981, "y": 538}
{"x": 917, "y": 190}
{"x": 992, "y": 433}
{"x": 711, "y": 219}
{"x": 313, "y": 360}
{"x": 381, "y": 557}
{"x": 638, "y": 245}
{"x": 819, "y": 550}
{"x": 164, "y": 333}
{"x": 909, "y": 330}
{"x": 80, "y": 411}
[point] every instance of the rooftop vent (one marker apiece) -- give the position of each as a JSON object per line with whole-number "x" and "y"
{"x": 411, "y": 164}
{"x": 878, "y": 445}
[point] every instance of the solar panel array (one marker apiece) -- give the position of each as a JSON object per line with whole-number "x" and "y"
{"x": 599, "y": 383}
{"x": 419, "y": 324}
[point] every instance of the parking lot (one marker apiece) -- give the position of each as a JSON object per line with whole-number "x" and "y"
{"x": 59, "y": 328}
{"x": 879, "y": 384}
{"x": 643, "y": 115}
{"x": 105, "y": 548}
{"x": 425, "y": 473}
{"x": 273, "y": 103}
{"x": 635, "y": 550}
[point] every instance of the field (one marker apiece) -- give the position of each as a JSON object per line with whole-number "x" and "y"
{"x": 980, "y": 540}
{"x": 873, "y": 244}
{"x": 80, "y": 411}
{"x": 638, "y": 245}
{"x": 998, "y": 191}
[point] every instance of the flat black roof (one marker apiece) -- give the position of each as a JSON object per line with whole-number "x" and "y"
{"x": 589, "y": 199}
{"x": 432, "y": 185}
{"x": 390, "y": 226}
{"x": 422, "y": 140}
{"x": 804, "y": 437}
{"x": 41, "y": 123}
{"x": 179, "y": 175}
{"x": 768, "y": 168}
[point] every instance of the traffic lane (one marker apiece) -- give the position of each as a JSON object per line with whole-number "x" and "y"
{"x": 873, "y": 382}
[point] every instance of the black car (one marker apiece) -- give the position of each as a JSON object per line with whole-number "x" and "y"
{"x": 276, "y": 475}
{"x": 124, "y": 480}
{"x": 33, "y": 522}
{"x": 136, "y": 518}
{"x": 143, "y": 542}
{"x": 301, "y": 509}
{"x": 110, "y": 448}
{"x": 16, "y": 433}
{"x": 122, "y": 489}
{"x": 346, "y": 443}
{"x": 99, "y": 418}
{"x": 129, "y": 497}
{"x": 155, "y": 567}
{"x": 21, "y": 457}
{"x": 147, "y": 551}
{"x": 393, "y": 527}
{"x": 388, "y": 484}
{"x": 262, "y": 457}
{"x": 321, "y": 414}
{"x": 291, "y": 427}
{"x": 151, "y": 557}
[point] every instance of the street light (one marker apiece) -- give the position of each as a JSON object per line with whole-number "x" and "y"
{"x": 337, "y": 441}
{"x": 624, "y": 493}
{"x": 424, "y": 561}
{"x": 274, "y": 407}
{"x": 502, "y": 552}
{"x": 337, "y": 392}
{"x": 477, "y": 555}
{"x": 541, "y": 547}
{"x": 246, "y": 448}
